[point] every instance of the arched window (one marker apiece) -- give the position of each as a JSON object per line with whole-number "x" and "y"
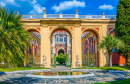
{"x": 70, "y": 51}
{"x": 91, "y": 39}
{"x": 70, "y": 40}
{"x": 61, "y": 38}
{"x": 56, "y": 38}
{"x": 64, "y": 38}
{"x": 38, "y": 52}
{"x": 36, "y": 43}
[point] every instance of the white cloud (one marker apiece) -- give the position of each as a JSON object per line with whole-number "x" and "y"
{"x": 23, "y": 0}
{"x": 109, "y": 7}
{"x": 34, "y": 1}
{"x": 10, "y": 1}
{"x": 37, "y": 9}
{"x": 2, "y": 4}
{"x": 66, "y": 5}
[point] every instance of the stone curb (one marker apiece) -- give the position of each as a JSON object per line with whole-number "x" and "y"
{"x": 21, "y": 71}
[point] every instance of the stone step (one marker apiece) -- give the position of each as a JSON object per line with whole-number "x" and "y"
{"x": 61, "y": 68}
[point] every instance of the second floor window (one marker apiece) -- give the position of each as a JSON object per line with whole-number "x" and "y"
{"x": 61, "y": 38}
{"x": 91, "y": 39}
{"x": 64, "y": 38}
{"x": 69, "y": 51}
{"x": 90, "y": 49}
{"x": 56, "y": 38}
{"x": 86, "y": 42}
{"x": 70, "y": 40}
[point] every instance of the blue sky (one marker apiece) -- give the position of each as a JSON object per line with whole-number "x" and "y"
{"x": 85, "y": 7}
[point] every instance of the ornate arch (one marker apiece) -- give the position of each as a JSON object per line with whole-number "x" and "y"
{"x": 111, "y": 30}
{"x": 93, "y": 31}
{"x": 56, "y": 28}
{"x": 61, "y": 49}
{"x": 32, "y": 29}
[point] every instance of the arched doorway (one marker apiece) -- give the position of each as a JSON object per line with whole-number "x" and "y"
{"x": 60, "y": 43}
{"x": 61, "y": 51}
{"x": 90, "y": 53}
{"x": 33, "y": 53}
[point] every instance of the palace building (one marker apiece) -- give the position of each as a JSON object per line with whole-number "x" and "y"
{"x": 73, "y": 34}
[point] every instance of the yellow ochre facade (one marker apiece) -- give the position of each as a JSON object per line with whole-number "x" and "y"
{"x": 75, "y": 27}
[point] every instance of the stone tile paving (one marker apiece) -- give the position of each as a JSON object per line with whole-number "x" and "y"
{"x": 100, "y": 76}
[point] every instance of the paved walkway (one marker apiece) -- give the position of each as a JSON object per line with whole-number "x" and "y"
{"x": 100, "y": 76}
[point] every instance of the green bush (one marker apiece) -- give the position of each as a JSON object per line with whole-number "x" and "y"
{"x": 106, "y": 65}
{"x": 4, "y": 65}
{"x": 60, "y": 58}
{"x": 54, "y": 60}
{"x": 67, "y": 60}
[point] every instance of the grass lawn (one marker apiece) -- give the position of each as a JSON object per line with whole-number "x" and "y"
{"x": 18, "y": 68}
{"x": 126, "y": 81}
{"x": 107, "y": 68}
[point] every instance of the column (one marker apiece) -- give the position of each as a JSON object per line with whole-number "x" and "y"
{"x": 45, "y": 45}
{"x": 32, "y": 51}
{"x": 103, "y": 57}
{"x": 98, "y": 57}
{"x": 77, "y": 46}
{"x": 36, "y": 52}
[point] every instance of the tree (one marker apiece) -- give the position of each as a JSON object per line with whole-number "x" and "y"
{"x": 61, "y": 58}
{"x": 67, "y": 60}
{"x": 122, "y": 27}
{"x": 13, "y": 38}
{"x": 54, "y": 60}
{"x": 109, "y": 42}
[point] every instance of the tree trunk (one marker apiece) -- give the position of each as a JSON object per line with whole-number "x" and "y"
{"x": 110, "y": 60}
{"x": 126, "y": 62}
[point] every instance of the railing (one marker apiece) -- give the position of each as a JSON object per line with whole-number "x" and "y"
{"x": 32, "y": 16}
{"x": 69, "y": 16}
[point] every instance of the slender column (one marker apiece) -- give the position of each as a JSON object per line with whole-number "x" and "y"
{"x": 36, "y": 53}
{"x": 89, "y": 51}
{"x": 98, "y": 58}
{"x": 32, "y": 52}
{"x": 94, "y": 51}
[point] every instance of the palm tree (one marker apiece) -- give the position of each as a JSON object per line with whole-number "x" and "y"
{"x": 13, "y": 38}
{"x": 109, "y": 42}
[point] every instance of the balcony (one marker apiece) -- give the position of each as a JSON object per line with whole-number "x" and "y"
{"x": 103, "y": 16}
{"x": 69, "y": 16}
